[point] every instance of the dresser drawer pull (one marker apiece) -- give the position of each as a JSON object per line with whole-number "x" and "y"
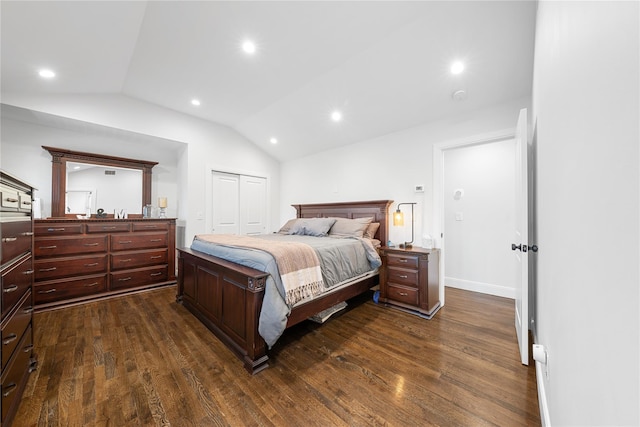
{"x": 27, "y": 272}
{"x": 106, "y": 227}
{"x": 91, "y": 244}
{"x": 9, "y": 239}
{"x": 90, "y": 285}
{"x": 155, "y": 240}
{"x": 125, "y": 260}
{"x": 8, "y": 340}
{"x": 124, "y": 279}
{"x": 28, "y": 310}
{"x": 403, "y": 294}
{"x": 27, "y": 348}
{"x": 48, "y": 247}
{"x": 28, "y": 233}
{"x": 150, "y": 226}
{"x": 26, "y": 202}
{"x": 402, "y": 276}
{"x": 48, "y": 291}
{"x": 403, "y": 260}
{"x": 11, "y": 200}
{"x": 155, "y": 257}
{"x": 8, "y": 389}
{"x": 44, "y": 270}
{"x": 155, "y": 274}
{"x": 124, "y": 242}
{"x": 51, "y": 230}
{"x": 10, "y": 289}
{"x": 93, "y": 264}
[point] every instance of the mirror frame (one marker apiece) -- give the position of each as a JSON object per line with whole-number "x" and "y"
{"x": 59, "y": 159}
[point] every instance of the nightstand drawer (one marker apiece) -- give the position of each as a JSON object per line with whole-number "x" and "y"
{"x": 402, "y": 294}
{"x": 403, "y": 276}
{"x": 404, "y": 261}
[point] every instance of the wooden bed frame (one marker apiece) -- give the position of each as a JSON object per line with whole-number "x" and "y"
{"x": 227, "y": 297}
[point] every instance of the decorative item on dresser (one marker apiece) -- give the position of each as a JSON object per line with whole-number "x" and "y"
{"x": 409, "y": 279}
{"x": 81, "y": 260}
{"x": 16, "y": 225}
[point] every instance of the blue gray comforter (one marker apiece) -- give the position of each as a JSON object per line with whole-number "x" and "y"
{"x": 340, "y": 259}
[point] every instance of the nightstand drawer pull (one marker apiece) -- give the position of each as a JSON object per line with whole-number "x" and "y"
{"x": 90, "y": 285}
{"x": 403, "y": 276}
{"x": 125, "y": 242}
{"x": 124, "y": 279}
{"x": 113, "y": 227}
{"x": 403, "y": 260}
{"x": 11, "y": 200}
{"x": 125, "y": 260}
{"x": 28, "y": 233}
{"x": 91, "y": 244}
{"x": 27, "y": 348}
{"x": 403, "y": 294}
{"x": 155, "y": 274}
{"x": 50, "y": 230}
{"x": 9, "y": 239}
{"x": 155, "y": 240}
{"x": 44, "y": 270}
{"x": 48, "y": 247}
{"x": 155, "y": 257}
{"x": 11, "y": 288}
{"x": 93, "y": 264}
{"x": 49, "y": 291}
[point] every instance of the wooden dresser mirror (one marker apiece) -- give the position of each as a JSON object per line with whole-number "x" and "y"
{"x": 61, "y": 206}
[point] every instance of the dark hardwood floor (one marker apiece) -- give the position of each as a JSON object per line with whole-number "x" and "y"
{"x": 144, "y": 360}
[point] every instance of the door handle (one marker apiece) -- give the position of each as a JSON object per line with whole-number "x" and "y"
{"x": 524, "y": 248}
{"x": 514, "y": 247}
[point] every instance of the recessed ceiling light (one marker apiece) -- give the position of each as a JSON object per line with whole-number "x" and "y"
{"x": 336, "y": 116}
{"x": 249, "y": 47}
{"x": 457, "y": 67}
{"x": 46, "y": 74}
{"x": 273, "y": 140}
{"x": 195, "y": 102}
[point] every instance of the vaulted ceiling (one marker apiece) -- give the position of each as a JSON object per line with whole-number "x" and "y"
{"x": 385, "y": 65}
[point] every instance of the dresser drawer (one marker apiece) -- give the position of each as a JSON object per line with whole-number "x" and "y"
{"x": 67, "y": 289}
{"x": 402, "y": 276}
{"x": 9, "y": 197}
{"x": 14, "y": 329}
{"x": 404, "y": 261}
{"x": 138, "y": 277}
{"x": 16, "y": 280}
{"x": 66, "y": 267}
{"x": 16, "y": 238}
{"x": 150, "y": 226}
{"x": 68, "y": 245}
{"x": 402, "y": 294}
{"x": 123, "y": 260}
{"x": 108, "y": 227}
{"x": 57, "y": 229}
{"x": 126, "y": 242}
{"x": 15, "y": 375}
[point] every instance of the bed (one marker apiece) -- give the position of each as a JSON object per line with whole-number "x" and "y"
{"x": 228, "y": 297}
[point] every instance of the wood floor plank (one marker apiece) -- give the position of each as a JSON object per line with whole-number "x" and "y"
{"x": 144, "y": 360}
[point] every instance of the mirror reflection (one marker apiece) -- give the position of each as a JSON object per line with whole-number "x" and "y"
{"x": 91, "y": 187}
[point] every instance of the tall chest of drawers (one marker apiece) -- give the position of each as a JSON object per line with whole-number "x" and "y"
{"x": 409, "y": 279}
{"x": 81, "y": 260}
{"x": 16, "y": 232}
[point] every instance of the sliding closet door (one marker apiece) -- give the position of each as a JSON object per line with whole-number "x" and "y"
{"x": 226, "y": 203}
{"x": 253, "y": 205}
{"x": 239, "y": 204}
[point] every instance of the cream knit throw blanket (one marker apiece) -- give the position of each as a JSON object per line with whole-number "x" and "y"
{"x": 298, "y": 263}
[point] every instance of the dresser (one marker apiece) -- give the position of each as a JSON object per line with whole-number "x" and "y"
{"x": 409, "y": 279}
{"x": 80, "y": 260}
{"x": 16, "y": 232}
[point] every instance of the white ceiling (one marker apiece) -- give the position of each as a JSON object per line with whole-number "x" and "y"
{"x": 384, "y": 64}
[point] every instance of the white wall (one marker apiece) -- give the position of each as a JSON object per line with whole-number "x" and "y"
{"x": 207, "y": 144}
{"x": 387, "y": 167}
{"x": 586, "y": 112}
{"x": 478, "y": 246}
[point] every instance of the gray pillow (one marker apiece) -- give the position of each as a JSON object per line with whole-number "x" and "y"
{"x": 287, "y": 226}
{"x": 318, "y": 227}
{"x": 345, "y": 227}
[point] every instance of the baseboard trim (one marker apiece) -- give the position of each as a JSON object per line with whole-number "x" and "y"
{"x": 542, "y": 397}
{"x": 485, "y": 288}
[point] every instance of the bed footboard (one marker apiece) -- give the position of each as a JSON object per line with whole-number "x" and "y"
{"x": 227, "y": 299}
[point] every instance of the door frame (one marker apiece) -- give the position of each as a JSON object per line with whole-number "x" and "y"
{"x": 437, "y": 223}
{"x": 208, "y": 188}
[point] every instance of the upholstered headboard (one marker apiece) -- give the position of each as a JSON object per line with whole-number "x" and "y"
{"x": 377, "y": 209}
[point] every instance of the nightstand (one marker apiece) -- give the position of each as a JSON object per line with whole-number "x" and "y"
{"x": 409, "y": 279}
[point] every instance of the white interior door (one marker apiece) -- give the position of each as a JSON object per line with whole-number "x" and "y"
{"x": 225, "y": 210}
{"x": 253, "y": 205}
{"x": 521, "y": 239}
